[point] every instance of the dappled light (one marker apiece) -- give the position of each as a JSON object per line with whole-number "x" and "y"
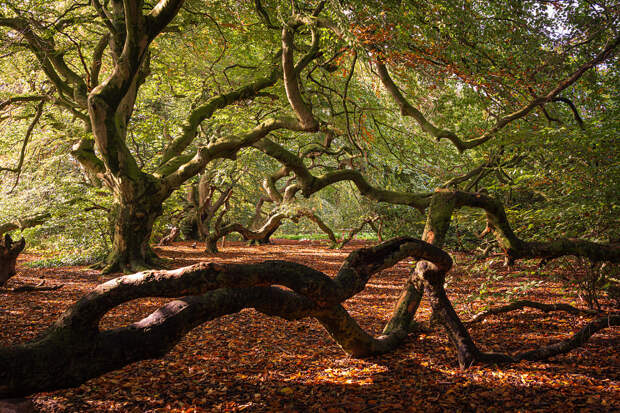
{"x": 309, "y": 205}
{"x": 252, "y": 360}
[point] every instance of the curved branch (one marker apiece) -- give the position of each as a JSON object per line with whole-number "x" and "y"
{"x": 95, "y": 66}
{"x": 272, "y": 224}
{"x": 52, "y": 61}
{"x": 84, "y": 152}
{"x": 22, "y": 154}
{"x": 205, "y": 111}
{"x": 264, "y": 15}
{"x": 175, "y": 174}
{"x": 309, "y": 184}
{"x": 162, "y": 14}
{"x": 521, "y": 304}
{"x": 19, "y": 99}
{"x": 74, "y": 350}
{"x": 291, "y": 79}
{"x": 408, "y": 110}
{"x": 572, "y": 107}
{"x": 516, "y": 248}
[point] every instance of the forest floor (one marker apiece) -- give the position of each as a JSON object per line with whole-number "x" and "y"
{"x": 251, "y": 362}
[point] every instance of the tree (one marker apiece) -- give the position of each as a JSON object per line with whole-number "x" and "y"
{"x": 408, "y": 50}
{"x": 107, "y": 109}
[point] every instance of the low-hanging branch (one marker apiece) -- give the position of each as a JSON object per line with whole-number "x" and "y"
{"x": 74, "y": 349}
{"x": 514, "y": 247}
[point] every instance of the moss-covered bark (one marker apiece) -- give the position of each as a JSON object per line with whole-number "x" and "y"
{"x": 74, "y": 349}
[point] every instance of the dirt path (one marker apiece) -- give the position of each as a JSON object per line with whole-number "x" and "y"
{"x": 251, "y": 362}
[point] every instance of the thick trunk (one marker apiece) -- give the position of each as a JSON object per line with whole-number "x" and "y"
{"x": 211, "y": 244}
{"x": 133, "y": 225}
{"x": 266, "y": 239}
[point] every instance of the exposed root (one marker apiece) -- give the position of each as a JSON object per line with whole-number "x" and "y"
{"x": 577, "y": 340}
{"x": 38, "y": 287}
{"x": 518, "y": 305}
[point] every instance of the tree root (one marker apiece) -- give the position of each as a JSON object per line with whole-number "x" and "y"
{"x": 518, "y": 305}
{"x": 38, "y": 287}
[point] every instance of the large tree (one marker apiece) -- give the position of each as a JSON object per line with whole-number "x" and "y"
{"x": 513, "y": 79}
{"x": 122, "y": 48}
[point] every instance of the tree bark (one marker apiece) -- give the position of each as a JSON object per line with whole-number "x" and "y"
{"x": 133, "y": 225}
{"x": 9, "y": 251}
{"x": 74, "y": 349}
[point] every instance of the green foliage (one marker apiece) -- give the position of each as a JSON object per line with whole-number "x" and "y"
{"x": 463, "y": 64}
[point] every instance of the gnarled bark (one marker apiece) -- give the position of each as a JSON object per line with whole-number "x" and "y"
{"x": 74, "y": 349}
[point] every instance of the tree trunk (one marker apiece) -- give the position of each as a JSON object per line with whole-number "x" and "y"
{"x": 211, "y": 244}
{"x": 267, "y": 238}
{"x": 9, "y": 251}
{"x": 133, "y": 225}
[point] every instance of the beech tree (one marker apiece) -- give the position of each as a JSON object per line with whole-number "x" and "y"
{"x": 106, "y": 108}
{"x": 405, "y": 49}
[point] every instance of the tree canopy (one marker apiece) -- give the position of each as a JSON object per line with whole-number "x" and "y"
{"x": 436, "y": 122}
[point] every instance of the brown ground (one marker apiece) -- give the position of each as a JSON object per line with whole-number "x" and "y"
{"x": 252, "y": 362}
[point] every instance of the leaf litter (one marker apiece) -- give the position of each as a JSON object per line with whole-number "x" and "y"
{"x": 255, "y": 363}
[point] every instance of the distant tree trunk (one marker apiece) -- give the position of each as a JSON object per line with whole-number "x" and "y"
{"x": 211, "y": 244}
{"x": 9, "y": 251}
{"x": 266, "y": 239}
{"x": 170, "y": 237}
